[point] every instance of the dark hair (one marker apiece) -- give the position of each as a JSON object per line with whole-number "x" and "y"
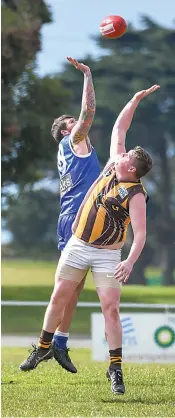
{"x": 143, "y": 162}
{"x": 58, "y": 125}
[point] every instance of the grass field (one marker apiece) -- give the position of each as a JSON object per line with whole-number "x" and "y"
{"x": 27, "y": 280}
{"x": 50, "y": 391}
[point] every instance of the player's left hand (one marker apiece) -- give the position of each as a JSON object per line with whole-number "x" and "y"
{"x": 123, "y": 271}
{"x": 79, "y": 66}
{"x": 143, "y": 93}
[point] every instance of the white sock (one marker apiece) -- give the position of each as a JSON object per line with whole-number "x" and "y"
{"x": 62, "y": 334}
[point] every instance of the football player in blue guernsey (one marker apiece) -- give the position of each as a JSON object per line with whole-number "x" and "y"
{"x": 78, "y": 168}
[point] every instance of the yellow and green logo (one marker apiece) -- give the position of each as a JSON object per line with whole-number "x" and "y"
{"x": 164, "y": 336}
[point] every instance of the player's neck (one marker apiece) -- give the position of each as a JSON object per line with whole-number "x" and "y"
{"x": 126, "y": 177}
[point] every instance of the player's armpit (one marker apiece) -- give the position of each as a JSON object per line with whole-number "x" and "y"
{"x": 81, "y": 129}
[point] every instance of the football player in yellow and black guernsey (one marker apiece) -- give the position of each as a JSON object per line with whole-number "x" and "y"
{"x": 104, "y": 216}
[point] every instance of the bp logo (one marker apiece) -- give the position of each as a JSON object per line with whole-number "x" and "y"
{"x": 164, "y": 336}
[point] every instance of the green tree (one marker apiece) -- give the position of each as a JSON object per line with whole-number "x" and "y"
{"x": 21, "y": 24}
{"x": 29, "y": 103}
{"x": 32, "y": 219}
{"x": 32, "y": 154}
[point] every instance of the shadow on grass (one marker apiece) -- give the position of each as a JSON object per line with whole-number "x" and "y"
{"x": 121, "y": 399}
{"x": 11, "y": 382}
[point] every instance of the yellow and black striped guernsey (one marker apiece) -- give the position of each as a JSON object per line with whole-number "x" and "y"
{"x": 103, "y": 217}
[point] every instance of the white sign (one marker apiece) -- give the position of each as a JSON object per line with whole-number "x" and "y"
{"x": 147, "y": 337}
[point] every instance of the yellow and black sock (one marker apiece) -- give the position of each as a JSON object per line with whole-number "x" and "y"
{"x": 115, "y": 357}
{"x": 45, "y": 339}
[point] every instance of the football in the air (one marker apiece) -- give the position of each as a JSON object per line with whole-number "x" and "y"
{"x": 113, "y": 27}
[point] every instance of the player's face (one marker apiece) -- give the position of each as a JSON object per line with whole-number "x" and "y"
{"x": 125, "y": 162}
{"x": 70, "y": 123}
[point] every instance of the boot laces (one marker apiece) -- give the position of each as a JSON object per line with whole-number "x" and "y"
{"x": 32, "y": 352}
{"x": 67, "y": 355}
{"x": 116, "y": 377}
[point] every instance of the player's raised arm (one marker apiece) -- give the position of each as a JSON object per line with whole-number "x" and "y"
{"x": 124, "y": 120}
{"x": 81, "y": 129}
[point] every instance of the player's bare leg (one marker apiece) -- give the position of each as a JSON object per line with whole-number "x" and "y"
{"x": 70, "y": 309}
{"x": 62, "y": 293}
{"x": 110, "y": 299}
{"x": 62, "y": 333}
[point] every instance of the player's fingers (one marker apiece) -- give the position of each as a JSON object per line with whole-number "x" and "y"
{"x": 153, "y": 88}
{"x": 122, "y": 278}
{"x": 156, "y": 87}
{"x": 148, "y": 91}
{"x": 73, "y": 61}
{"x": 120, "y": 273}
{"x": 119, "y": 278}
{"x": 119, "y": 268}
{"x": 126, "y": 278}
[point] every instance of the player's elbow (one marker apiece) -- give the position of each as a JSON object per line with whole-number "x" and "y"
{"x": 90, "y": 108}
{"x": 91, "y": 112}
{"x": 118, "y": 135}
{"x": 118, "y": 129}
{"x": 88, "y": 117}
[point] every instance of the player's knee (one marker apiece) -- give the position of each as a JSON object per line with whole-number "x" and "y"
{"x": 58, "y": 296}
{"x": 110, "y": 309}
{"x": 54, "y": 298}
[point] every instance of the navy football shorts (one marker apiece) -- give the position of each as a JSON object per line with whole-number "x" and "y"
{"x": 64, "y": 229}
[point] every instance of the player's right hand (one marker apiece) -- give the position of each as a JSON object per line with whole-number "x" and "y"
{"x": 143, "y": 93}
{"x": 123, "y": 271}
{"x": 79, "y": 66}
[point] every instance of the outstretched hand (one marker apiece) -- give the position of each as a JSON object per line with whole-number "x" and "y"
{"x": 143, "y": 93}
{"x": 79, "y": 66}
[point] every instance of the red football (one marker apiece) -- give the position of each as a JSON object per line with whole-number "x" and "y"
{"x": 113, "y": 27}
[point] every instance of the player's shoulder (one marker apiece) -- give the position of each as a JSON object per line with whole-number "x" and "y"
{"x": 144, "y": 191}
{"x": 65, "y": 140}
{"x": 82, "y": 148}
{"x": 138, "y": 189}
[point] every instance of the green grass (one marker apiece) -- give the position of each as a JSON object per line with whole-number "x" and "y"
{"x": 27, "y": 280}
{"x": 50, "y": 391}
{"x": 29, "y": 320}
